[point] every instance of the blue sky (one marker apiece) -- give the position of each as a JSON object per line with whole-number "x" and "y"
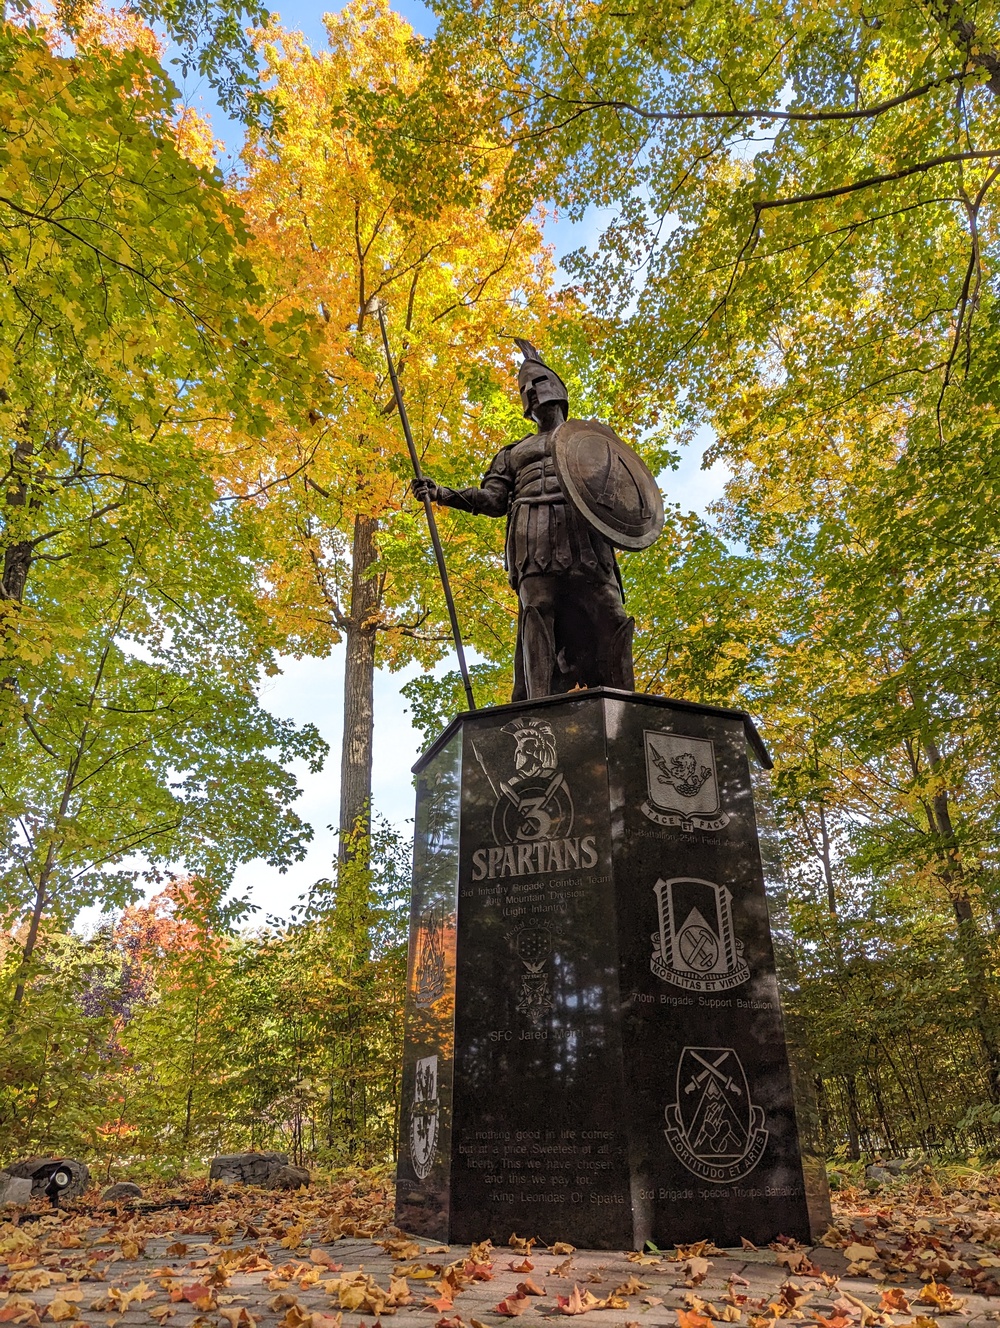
{"x": 311, "y": 690}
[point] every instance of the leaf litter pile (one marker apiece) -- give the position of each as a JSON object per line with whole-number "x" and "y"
{"x": 916, "y": 1256}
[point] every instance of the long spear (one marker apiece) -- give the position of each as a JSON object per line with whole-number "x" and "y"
{"x": 375, "y": 306}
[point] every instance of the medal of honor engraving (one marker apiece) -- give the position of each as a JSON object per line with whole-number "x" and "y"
{"x": 713, "y": 1127}
{"x": 682, "y": 782}
{"x": 424, "y": 1117}
{"x": 696, "y": 946}
{"x": 533, "y": 946}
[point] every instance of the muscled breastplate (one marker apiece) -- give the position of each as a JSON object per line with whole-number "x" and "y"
{"x": 535, "y": 478}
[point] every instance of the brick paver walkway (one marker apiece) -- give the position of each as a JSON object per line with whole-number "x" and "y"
{"x": 58, "y": 1270}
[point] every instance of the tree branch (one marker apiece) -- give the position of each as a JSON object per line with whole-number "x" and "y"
{"x": 948, "y": 159}
{"x": 864, "y": 113}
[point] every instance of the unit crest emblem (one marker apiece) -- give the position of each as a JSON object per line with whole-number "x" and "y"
{"x": 535, "y": 802}
{"x": 713, "y": 1127}
{"x": 682, "y": 783}
{"x": 424, "y": 1117}
{"x": 696, "y": 946}
{"x": 429, "y": 968}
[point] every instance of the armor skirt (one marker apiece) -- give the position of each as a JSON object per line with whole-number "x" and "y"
{"x": 549, "y": 538}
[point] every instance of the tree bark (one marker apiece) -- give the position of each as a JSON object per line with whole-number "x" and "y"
{"x": 359, "y": 686}
{"x": 971, "y": 949}
{"x": 853, "y": 1118}
{"x": 17, "y": 556}
{"x": 952, "y": 16}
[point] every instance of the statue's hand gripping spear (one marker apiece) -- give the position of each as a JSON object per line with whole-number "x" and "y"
{"x": 374, "y": 306}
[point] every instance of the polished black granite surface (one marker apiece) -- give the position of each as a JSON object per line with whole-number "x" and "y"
{"x": 594, "y": 1042}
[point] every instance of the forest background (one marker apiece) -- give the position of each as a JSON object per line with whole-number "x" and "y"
{"x": 204, "y": 473}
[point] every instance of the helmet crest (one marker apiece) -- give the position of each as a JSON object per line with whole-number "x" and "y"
{"x": 538, "y": 383}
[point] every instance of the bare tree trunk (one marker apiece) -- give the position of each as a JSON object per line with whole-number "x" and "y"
{"x": 192, "y": 1067}
{"x": 969, "y": 942}
{"x": 827, "y": 861}
{"x": 359, "y": 685}
{"x": 31, "y": 940}
{"x": 853, "y": 1118}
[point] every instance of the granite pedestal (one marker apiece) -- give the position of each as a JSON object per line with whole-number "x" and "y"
{"x": 594, "y": 1049}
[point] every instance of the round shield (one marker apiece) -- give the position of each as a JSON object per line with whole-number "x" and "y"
{"x": 609, "y": 485}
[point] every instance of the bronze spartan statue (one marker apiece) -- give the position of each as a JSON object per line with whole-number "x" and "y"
{"x": 572, "y": 493}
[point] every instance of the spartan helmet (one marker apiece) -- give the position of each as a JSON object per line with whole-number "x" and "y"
{"x": 533, "y": 374}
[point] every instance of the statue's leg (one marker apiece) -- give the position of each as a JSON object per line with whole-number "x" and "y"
{"x": 613, "y": 630}
{"x": 520, "y": 692}
{"x": 537, "y": 634}
{"x": 620, "y": 670}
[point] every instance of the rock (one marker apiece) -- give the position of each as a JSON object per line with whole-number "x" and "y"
{"x": 124, "y": 1189}
{"x": 15, "y": 1192}
{"x": 876, "y": 1175}
{"x": 247, "y": 1168}
{"x": 57, "y": 1177}
{"x": 895, "y": 1165}
{"x": 289, "y": 1178}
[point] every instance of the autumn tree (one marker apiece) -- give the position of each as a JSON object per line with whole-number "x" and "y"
{"x": 131, "y": 633}
{"x": 331, "y": 236}
{"x": 800, "y": 253}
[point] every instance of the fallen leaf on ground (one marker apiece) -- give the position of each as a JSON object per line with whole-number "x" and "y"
{"x": 697, "y": 1249}
{"x": 199, "y": 1295}
{"x": 525, "y": 1266}
{"x": 323, "y": 1258}
{"x": 119, "y": 1299}
{"x": 529, "y": 1287}
{"x": 797, "y": 1261}
{"x": 560, "y": 1247}
{"x": 439, "y": 1303}
{"x": 36, "y": 1280}
{"x": 894, "y": 1301}
{"x": 59, "y": 1310}
{"x": 20, "y": 1310}
{"x": 578, "y": 1301}
{"x": 937, "y": 1294}
{"x": 856, "y": 1253}
{"x": 632, "y": 1287}
{"x": 400, "y": 1249}
{"x": 695, "y": 1270}
{"x": 240, "y": 1318}
{"x": 511, "y": 1306}
{"x": 689, "y": 1319}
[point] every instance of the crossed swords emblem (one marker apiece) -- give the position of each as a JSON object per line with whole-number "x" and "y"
{"x": 529, "y": 808}
{"x": 726, "y": 1080}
